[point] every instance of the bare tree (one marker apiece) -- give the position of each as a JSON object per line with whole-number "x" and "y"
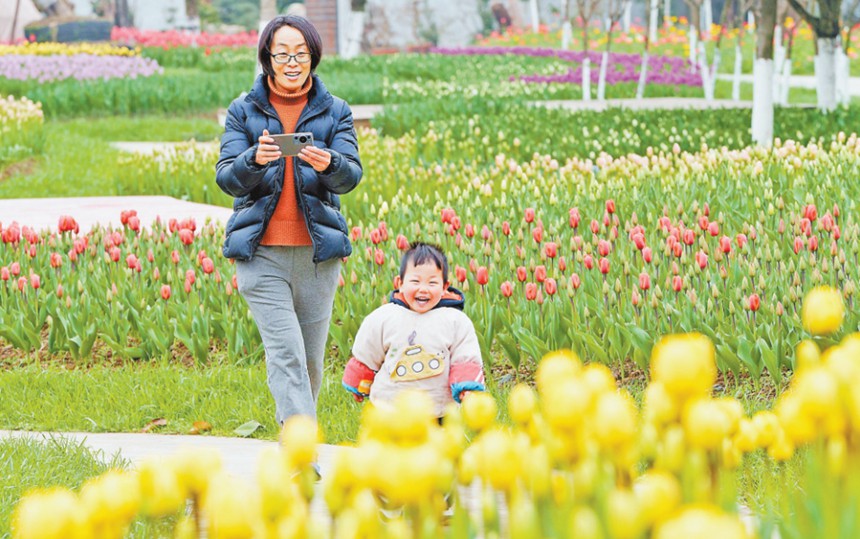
{"x": 122, "y": 15}
{"x": 828, "y": 37}
{"x": 616, "y": 10}
{"x": 762, "y": 113}
{"x": 587, "y": 9}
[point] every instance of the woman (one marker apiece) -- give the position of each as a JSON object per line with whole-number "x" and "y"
{"x": 286, "y": 233}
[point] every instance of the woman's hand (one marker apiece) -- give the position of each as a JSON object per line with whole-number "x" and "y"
{"x": 315, "y": 157}
{"x": 267, "y": 150}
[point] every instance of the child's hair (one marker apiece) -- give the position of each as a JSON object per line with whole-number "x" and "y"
{"x": 424, "y": 253}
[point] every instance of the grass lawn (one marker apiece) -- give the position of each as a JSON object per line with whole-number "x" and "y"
{"x": 26, "y": 464}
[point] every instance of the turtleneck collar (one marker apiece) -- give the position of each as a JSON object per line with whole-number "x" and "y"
{"x": 274, "y": 92}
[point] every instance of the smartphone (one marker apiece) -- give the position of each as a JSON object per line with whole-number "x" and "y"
{"x": 292, "y": 143}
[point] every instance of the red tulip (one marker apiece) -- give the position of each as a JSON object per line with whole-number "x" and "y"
{"x": 60, "y": 291}
{"x": 165, "y": 292}
{"x": 482, "y": 275}
{"x": 208, "y": 265}
{"x": 115, "y": 253}
{"x": 529, "y": 215}
{"x": 714, "y": 228}
{"x": 32, "y": 251}
{"x": 689, "y": 236}
{"x": 826, "y": 222}
{"x": 486, "y": 234}
{"x": 781, "y": 227}
{"x": 610, "y": 206}
{"x": 470, "y": 231}
{"x": 603, "y": 265}
{"x": 190, "y": 224}
{"x": 595, "y": 226}
{"x": 606, "y": 220}
{"x": 562, "y": 264}
{"x": 356, "y": 233}
{"x": 574, "y": 218}
{"x": 754, "y": 302}
{"x": 156, "y": 275}
{"x": 461, "y": 274}
{"x": 647, "y": 256}
{"x": 551, "y": 249}
{"x": 375, "y": 236}
{"x": 664, "y": 223}
{"x": 639, "y": 240}
{"x": 131, "y": 261}
{"x": 575, "y": 282}
{"x": 677, "y": 283}
{"x": 644, "y": 281}
{"x": 455, "y": 222}
{"x": 726, "y": 245}
{"x": 401, "y": 242}
{"x": 531, "y": 291}
{"x": 188, "y": 285}
{"x": 834, "y": 248}
{"x": 671, "y": 241}
{"x": 473, "y": 265}
{"x": 56, "y": 260}
{"x": 741, "y": 240}
{"x": 703, "y": 222}
{"x": 537, "y": 234}
{"x": 540, "y": 273}
{"x": 379, "y": 257}
{"x": 186, "y": 236}
{"x": 448, "y": 215}
{"x": 588, "y": 261}
{"x": 805, "y": 226}
{"x": 522, "y": 273}
{"x": 813, "y": 244}
{"x": 701, "y": 259}
{"x": 172, "y": 225}
{"x": 835, "y": 211}
{"x": 706, "y": 209}
{"x": 507, "y": 289}
{"x": 675, "y": 269}
{"x": 836, "y": 233}
{"x": 506, "y": 228}
{"x": 174, "y": 256}
{"x": 134, "y": 223}
{"x": 798, "y": 244}
{"x": 603, "y": 247}
{"x": 190, "y": 276}
{"x": 68, "y": 224}
{"x": 22, "y": 283}
{"x": 340, "y": 282}
{"x": 458, "y": 239}
{"x": 235, "y": 282}
{"x": 4, "y": 273}
{"x": 810, "y": 212}
{"x": 677, "y": 250}
{"x": 550, "y": 286}
{"x": 35, "y": 281}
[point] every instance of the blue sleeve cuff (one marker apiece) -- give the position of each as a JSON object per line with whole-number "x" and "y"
{"x": 353, "y": 390}
{"x": 458, "y": 389}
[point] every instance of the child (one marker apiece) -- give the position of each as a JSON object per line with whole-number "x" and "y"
{"x": 420, "y": 340}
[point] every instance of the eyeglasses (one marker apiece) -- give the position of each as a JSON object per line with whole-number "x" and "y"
{"x": 284, "y": 58}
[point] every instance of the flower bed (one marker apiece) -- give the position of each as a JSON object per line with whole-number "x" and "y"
{"x": 666, "y": 70}
{"x": 21, "y": 124}
{"x": 47, "y": 69}
{"x": 175, "y": 38}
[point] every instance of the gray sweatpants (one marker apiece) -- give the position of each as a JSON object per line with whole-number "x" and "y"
{"x": 291, "y": 302}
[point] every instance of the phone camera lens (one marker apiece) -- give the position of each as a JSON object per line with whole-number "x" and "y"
{"x": 303, "y": 139}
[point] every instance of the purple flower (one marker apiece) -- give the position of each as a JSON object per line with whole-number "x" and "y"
{"x": 78, "y": 66}
{"x": 623, "y": 67}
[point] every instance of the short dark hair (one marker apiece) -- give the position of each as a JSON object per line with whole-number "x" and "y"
{"x": 307, "y": 29}
{"x": 423, "y": 253}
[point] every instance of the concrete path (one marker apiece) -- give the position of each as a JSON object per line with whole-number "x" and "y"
{"x": 44, "y": 213}
{"x": 651, "y": 103}
{"x": 240, "y": 456}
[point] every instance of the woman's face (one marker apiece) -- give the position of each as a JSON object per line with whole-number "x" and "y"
{"x": 290, "y": 76}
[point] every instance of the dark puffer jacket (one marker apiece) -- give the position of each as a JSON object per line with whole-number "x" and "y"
{"x": 257, "y": 189}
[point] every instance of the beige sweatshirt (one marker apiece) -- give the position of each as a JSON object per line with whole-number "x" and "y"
{"x": 417, "y": 351}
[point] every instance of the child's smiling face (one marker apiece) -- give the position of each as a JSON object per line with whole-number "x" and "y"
{"x": 422, "y": 286}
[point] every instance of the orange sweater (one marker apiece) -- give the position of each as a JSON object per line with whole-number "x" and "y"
{"x": 287, "y": 225}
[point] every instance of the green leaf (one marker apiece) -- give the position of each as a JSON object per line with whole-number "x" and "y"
{"x": 510, "y": 346}
{"x": 247, "y": 429}
{"x": 770, "y": 359}
{"x": 746, "y": 355}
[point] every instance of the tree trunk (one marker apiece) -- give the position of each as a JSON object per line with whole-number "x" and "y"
{"x": 652, "y": 20}
{"x": 601, "y": 80}
{"x": 625, "y": 19}
{"x": 516, "y": 13}
{"x": 707, "y": 18}
{"x": 736, "y": 77}
{"x": 762, "y": 113}
{"x": 122, "y": 18}
{"x": 643, "y": 76}
{"x": 825, "y": 72}
{"x": 535, "y": 17}
{"x": 843, "y": 96}
{"x": 694, "y": 46}
{"x": 667, "y": 18}
{"x": 586, "y": 78}
{"x": 566, "y": 29}
{"x": 15, "y": 20}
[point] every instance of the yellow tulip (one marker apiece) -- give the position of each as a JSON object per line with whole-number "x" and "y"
{"x": 767, "y": 427}
{"x": 412, "y": 417}
{"x": 299, "y": 438}
{"x": 822, "y": 311}
{"x": 658, "y": 494}
{"x": 521, "y": 404}
{"x": 599, "y": 378}
{"x": 659, "y": 406}
{"x": 566, "y": 403}
{"x": 817, "y": 391}
{"x": 479, "y": 410}
{"x": 195, "y": 466}
{"x": 808, "y": 354}
{"x": 161, "y": 492}
{"x": 837, "y": 451}
{"x": 585, "y": 524}
{"x": 706, "y": 424}
{"x": 625, "y": 520}
{"x": 700, "y": 522}
{"x": 557, "y": 367}
{"x": 48, "y": 514}
{"x": 685, "y": 365}
{"x": 231, "y": 510}
{"x": 615, "y": 420}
